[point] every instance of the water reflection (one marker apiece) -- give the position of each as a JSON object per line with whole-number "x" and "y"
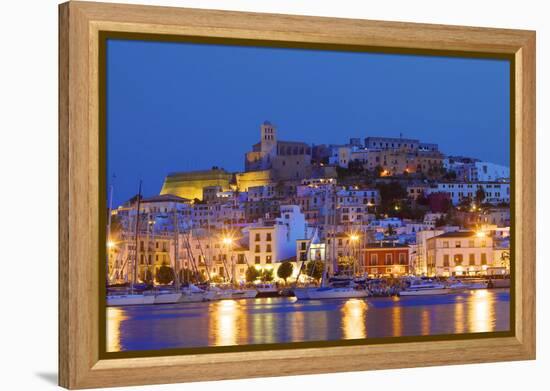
{"x": 115, "y": 316}
{"x": 354, "y": 313}
{"x": 224, "y": 319}
{"x": 397, "y": 320}
{"x": 481, "y": 311}
{"x": 279, "y": 320}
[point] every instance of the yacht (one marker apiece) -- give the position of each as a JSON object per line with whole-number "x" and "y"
{"x": 461, "y": 285}
{"x": 233, "y": 293}
{"x": 422, "y": 288}
{"x": 347, "y": 292}
{"x": 194, "y": 294}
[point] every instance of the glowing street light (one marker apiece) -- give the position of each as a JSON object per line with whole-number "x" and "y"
{"x": 227, "y": 240}
{"x": 111, "y": 244}
{"x": 480, "y": 234}
{"x": 354, "y": 237}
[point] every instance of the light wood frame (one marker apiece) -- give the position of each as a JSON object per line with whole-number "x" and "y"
{"x": 79, "y": 168}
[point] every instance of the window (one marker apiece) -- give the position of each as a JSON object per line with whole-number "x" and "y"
{"x": 471, "y": 243}
{"x": 402, "y": 259}
{"x": 472, "y": 259}
{"x": 483, "y": 258}
{"x": 458, "y": 244}
{"x": 458, "y": 259}
{"x": 257, "y": 237}
{"x": 268, "y": 248}
{"x": 374, "y": 259}
{"x": 240, "y": 258}
{"x": 142, "y": 259}
{"x": 445, "y": 244}
{"x": 268, "y": 259}
{"x": 303, "y": 245}
{"x": 339, "y": 242}
{"x": 141, "y": 245}
{"x": 257, "y": 260}
{"x": 446, "y": 260}
{"x": 483, "y": 243}
{"x": 389, "y": 259}
{"x": 257, "y": 248}
{"x": 268, "y": 237}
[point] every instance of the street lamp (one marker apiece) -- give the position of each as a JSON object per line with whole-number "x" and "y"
{"x": 111, "y": 244}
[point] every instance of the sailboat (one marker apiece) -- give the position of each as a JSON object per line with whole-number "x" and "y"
{"x": 325, "y": 291}
{"x": 132, "y": 297}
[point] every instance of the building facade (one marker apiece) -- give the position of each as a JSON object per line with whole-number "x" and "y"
{"x": 461, "y": 253}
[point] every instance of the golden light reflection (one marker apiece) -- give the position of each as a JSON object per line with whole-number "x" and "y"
{"x": 353, "y": 319}
{"x": 224, "y": 323}
{"x": 480, "y": 314}
{"x": 426, "y": 322}
{"x": 459, "y": 317}
{"x": 115, "y": 316}
{"x": 396, "y": 317}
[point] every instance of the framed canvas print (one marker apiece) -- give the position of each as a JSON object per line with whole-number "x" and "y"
{"x": 349, "y": 194}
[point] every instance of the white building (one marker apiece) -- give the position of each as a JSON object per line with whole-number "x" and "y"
{"x": 495, "y": 192}
{"x": 273, "y": 242}
{"x": 340, "y": 155}
{"x": 489, "y": 172}
{"x": 459, "y": 253}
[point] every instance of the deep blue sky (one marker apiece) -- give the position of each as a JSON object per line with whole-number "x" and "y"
{"x": 176, "y": 107}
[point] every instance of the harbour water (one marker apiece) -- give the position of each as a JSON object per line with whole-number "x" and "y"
{"x": 280, "y": 320}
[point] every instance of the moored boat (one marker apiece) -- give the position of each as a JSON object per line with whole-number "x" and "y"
{"x": 336, "y": 293}
{"x": 267, "y": 290}
{"x": 423, "y": 288}
{"x": 119, "y": 300}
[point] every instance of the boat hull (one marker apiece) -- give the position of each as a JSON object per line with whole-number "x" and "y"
{"x": 167, "y": 298}
{"x": 195, "y": 297}
{"x": 330, "y": 293}
{"x": 425, "y": 292}
{"x": 126, "y": 300}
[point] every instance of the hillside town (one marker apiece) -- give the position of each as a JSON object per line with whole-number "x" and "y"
{"x": 371, "y": 208}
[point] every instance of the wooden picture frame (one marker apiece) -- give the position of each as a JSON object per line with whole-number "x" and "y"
{"x": 80, "y": 167}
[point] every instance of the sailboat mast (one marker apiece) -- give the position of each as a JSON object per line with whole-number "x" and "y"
{"x": 108, "y": 232}
{"x": 136, "y": 252}
{"x": 176, "y": 248}
{"x": 325, "y": 264}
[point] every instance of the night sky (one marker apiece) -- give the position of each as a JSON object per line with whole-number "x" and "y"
{"x": 177, "y": 107}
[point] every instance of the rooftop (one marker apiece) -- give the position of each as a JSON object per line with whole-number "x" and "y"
{"x": 165, "y": 198}
{"x": 457, "y": 234}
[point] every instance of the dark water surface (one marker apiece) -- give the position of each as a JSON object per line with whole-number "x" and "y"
{"x": 276, "y": 320}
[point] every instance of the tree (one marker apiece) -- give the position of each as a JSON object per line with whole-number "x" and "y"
{"x": 165, "y": 275}
{"x": 315, "y": 269}
{"x": 285, "y": 270}
{"x": 148, "y": 277}
{"x": 480, "y": 196}
{"x": 252, "y": 274}
{"x": 266, "y": 275}
{"x": 186, "y": 275}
